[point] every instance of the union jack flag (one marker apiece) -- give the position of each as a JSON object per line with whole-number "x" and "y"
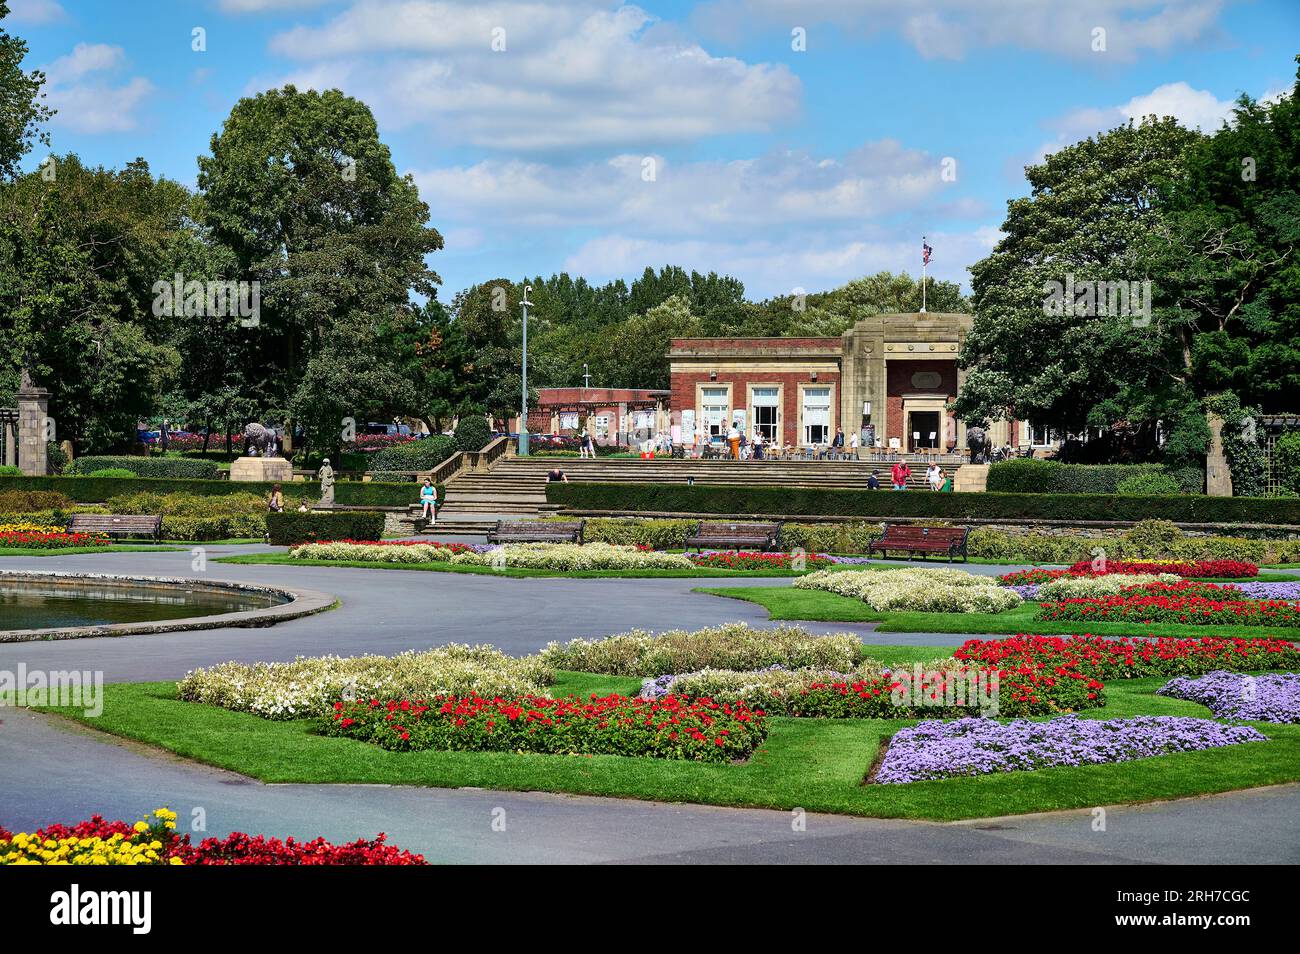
{"x": 925, "y": 253}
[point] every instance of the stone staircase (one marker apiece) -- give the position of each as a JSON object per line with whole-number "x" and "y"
{"x": 515, "y": 487}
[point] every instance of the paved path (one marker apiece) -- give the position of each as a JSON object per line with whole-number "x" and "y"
{"x": 58, "y": 772}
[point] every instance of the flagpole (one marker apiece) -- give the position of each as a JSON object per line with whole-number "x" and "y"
{"x": 923, "y": 263}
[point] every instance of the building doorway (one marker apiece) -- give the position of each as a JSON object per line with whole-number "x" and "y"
{"x": 923, "y": 430}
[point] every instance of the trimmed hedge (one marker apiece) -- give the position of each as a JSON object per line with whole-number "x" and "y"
{"x": 423, "y": 454}
{"x": 286, "y": 529}
{"x": 801, "y": 501}
{"x": 1030, "y": 476}
{"x": 167, "y": 468}
{"x": 100, "y": 489}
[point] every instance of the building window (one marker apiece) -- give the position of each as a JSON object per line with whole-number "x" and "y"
{"x": 714, "y": 410}
{"x": 816, "y": 415}
{"x": 1041, "y": 436}
{"x": 765, "y": 402}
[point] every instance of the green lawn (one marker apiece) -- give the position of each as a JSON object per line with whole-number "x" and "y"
{"x": 787, "y": 602}
{"x": 815, "y": 764}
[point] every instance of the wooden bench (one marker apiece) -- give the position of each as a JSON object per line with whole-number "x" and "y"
{"x": 735, "y": 536}
{"x": 116, "y": 525}
{"x": 537, "y": 531}
{"x": 950, "y": 541}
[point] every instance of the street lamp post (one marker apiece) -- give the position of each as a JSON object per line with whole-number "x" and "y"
{"x": 523, "y": 380}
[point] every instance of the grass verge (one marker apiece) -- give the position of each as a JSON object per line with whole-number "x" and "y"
{"x": 71, "y": 551}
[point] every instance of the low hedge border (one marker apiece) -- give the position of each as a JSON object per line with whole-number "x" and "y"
{"x": 100, "y": 489}
{"x": 800, "y": 501}
{"x": 1030, "y": 476}
{"x": 164, "y": 468}
{"x": 286, "y": 529}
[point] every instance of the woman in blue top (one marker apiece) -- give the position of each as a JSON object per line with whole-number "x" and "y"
{"x": 429, "y": 501}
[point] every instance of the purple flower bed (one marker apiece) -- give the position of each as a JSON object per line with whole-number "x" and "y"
{"x": 935, "y": 749}
{"x": 1027, "y": 591}
{"x": 1274, "y": 697}
{"x": 1270, "y": 591}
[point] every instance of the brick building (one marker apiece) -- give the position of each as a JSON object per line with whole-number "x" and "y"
{"x": 890, "y": 377}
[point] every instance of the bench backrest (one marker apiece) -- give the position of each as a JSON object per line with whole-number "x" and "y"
{"x": 910, "y": 534}
{"x": 96, "y": 521}
{"x": 519, "y": 527}
{"x": 730, "y": 530}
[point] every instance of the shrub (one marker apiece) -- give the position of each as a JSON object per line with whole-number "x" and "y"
{"x": 670, "y": 728}
{"x": 19, "y": 501}
{"x": 843, "y": 502}
{"x": 393, "y": 551}
{"x": 1191, "y": 480}
{"x": 186, "y": 505}
{"x": 160, "y": 467}
{"x": 1031, "y": 476}
{"x": 290, "y": 527}
{"x": 216, "y": 527}
{"x": 572, "y": 556}
{"x": 1286, "y": 460}
{"x": 97, "y": 489}
{"x": 9, "y": 470}
{"x": 731, "y": 646}
{"x": 310, "y": 685}
{"x": 925, "y": 591}
{"x": 419, "y": 455}
{"x": 1148, "y": 484}
{"x": 56, "y": 459}
{"x": 990, "y": 544}
{"x": 636, "y": 532}
{"x": 113, "y": 472}
{"x": 472, "y": 433}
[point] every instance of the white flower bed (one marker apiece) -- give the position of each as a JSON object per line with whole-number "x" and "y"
{"x": 571, "y": 556}
{"x": 1079, "y": 587}
{"x": 925, "y": 591}
{"x": 309, "y": 685}
{"x": 733, "y": 646}
{"x": 371, "y": 552}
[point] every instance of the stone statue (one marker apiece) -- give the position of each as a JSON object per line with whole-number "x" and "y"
{"x": 978, "y": 443}
{"x": 326, "y": 475}
{"x": 259, "y": 441}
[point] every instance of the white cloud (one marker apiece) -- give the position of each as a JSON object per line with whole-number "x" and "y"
{"x": 777, "y": 192}
{"x": 36, "y": 12}
{"x": 1193, "y": 108}
{"x": 573, "y": 74}
{"x": 947, "y": 29}
{"x": 88, "y": 101}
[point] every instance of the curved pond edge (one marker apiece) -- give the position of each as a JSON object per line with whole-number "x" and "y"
{"x": 298, "y": 603}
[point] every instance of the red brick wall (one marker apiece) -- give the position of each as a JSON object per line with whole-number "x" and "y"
{"x": 899, "y": 382}
{"x": 684, "y": 389}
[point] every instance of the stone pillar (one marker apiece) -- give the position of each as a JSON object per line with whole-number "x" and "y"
{"x": 1218, "y": 478}
{"x": 33, "y": 409}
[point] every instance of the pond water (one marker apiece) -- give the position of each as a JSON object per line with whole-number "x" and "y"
{"x": 32, "y": 605}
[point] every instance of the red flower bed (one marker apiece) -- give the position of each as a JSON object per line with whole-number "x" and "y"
{"x": 671, "y": 727}
{"x": 52, "y": 541}
{"x": 742, "y": 560}
{"x": 1034, "y": 577}
{"x": 373, "y": 442}
{"x": 1191, "y": 568}
{"x": 1131, "y": 658}
{"x": 236, "y": 848}
{"x": 1173, "y": 604}
{"x": 1022, "y": 690}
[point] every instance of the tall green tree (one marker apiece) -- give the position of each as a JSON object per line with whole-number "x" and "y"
{"x": 21, "y": 109}
{"x": 301, "y": 189}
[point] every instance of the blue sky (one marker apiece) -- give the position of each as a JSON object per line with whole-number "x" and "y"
{"x": 605, "y": 137}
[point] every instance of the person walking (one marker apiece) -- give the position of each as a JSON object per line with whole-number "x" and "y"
{"x": 275, "y": 503}
{"x": 853, "y": 445}
{"x": 900, "y": 473}
{"x": 837, "y": 445}
{"x": 873, "y": 482}
{"x": 733, "y": 438}
{"x": 429, "y": 502}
